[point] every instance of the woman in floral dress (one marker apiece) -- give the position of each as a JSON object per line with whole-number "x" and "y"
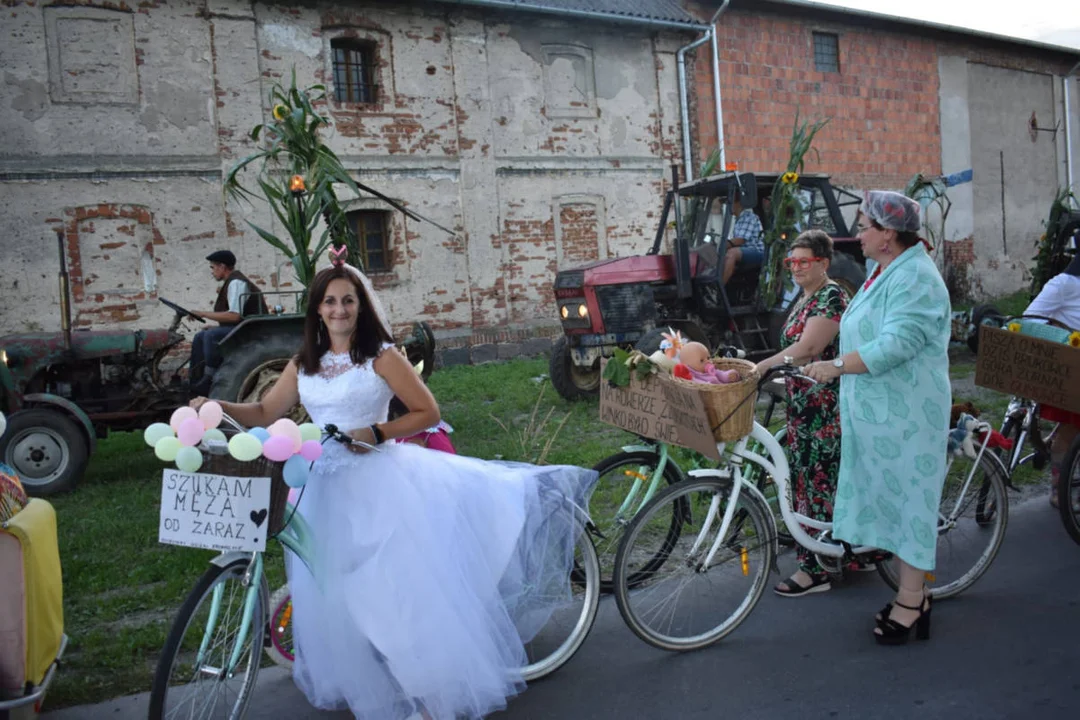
{"x": 813, "y": 421}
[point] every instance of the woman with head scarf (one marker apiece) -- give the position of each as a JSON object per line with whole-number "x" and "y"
{"x": 894, "y": 406}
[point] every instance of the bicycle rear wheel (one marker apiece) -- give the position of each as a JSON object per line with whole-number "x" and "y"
{"x": 280, "y": 648}
{"x": 968, "y": 541}
{"x": 570, "y": 623}
{"x": 191, "y": 679}
{"x": 684, "y": 605}
{"x": 619, "y": 475}
{"x": 1069, "y": 491}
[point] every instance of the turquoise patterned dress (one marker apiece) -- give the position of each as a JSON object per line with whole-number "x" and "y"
{"x": 894, "y": 419}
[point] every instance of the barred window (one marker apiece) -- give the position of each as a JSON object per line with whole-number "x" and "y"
{"x": 354, "y": 71}
{"x": 370, "y": 227}
{"x": 826, "y": 52}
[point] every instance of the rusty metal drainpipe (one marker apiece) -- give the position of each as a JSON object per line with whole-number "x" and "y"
{"x": 65, "y": 297}
{"x": 684, "y": 99}
{"x": 1065, "y": 82}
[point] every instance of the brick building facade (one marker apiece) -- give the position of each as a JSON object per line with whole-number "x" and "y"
{"x": 540, "y": 140}
{"x": 902, "y": 98}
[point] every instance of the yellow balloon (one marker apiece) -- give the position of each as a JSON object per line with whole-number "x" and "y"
{"x": 166, "y": 448}
{"x": 310, "y": 431}
{"x": 189, "y": 459}
{"x": 244, "y": 447}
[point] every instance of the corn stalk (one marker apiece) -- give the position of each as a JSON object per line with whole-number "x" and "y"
{"x": 1048, "y": 257}
{"x": 787, "y": 208}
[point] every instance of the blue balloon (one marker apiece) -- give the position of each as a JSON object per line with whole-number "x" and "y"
{"x": 295, "y": 471}
{"x": 262, "y": 433}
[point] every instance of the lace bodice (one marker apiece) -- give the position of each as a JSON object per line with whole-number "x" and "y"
{"x": 344, "y": 394}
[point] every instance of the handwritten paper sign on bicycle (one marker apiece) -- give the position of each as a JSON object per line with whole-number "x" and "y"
{"x": 215, "y": 512}
{"x": 1029, "y": 367}
{"x": 659, "y": 410}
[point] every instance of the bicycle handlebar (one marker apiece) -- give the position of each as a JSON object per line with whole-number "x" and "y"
{"x": 332, "y": 433}
{"x": 785, "y": 371}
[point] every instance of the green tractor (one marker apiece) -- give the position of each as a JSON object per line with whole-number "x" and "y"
{"x": 62, "y": 391}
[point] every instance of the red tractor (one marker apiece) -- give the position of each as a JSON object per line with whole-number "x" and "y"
{"x": 628, "y": 302}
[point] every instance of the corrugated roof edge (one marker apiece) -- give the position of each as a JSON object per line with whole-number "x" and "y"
{"x": 940, "y": 27}
{"x": 611, "y": 16}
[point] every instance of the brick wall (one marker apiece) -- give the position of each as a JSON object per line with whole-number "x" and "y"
{"x": 883, "y": 104}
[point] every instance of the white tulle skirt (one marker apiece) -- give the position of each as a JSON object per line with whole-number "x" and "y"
{"x": 432, "y": 571}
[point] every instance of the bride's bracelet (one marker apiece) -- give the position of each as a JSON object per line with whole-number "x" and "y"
{"x": 378, "y": 435}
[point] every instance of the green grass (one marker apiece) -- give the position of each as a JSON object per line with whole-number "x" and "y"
{"x": 121, "y": 588}
{"x": 1013, "y": 304}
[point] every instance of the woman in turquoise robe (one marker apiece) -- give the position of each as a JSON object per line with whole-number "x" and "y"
{"x": 894, "y": 406}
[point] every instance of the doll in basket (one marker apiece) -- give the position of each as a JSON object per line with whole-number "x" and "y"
{"x": 694, "y": 365}
{"x": 427, "y": 559}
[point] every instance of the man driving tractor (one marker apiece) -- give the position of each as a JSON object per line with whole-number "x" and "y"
{"x": 746, "y": 247}
{"x": 236, "y": 298}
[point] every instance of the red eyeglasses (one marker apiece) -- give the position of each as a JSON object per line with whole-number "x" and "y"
{"x": 801, "y": 263}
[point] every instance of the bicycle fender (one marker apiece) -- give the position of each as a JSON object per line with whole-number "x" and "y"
{"x": 638, "y": 448}
{"x": 228, "y": 558}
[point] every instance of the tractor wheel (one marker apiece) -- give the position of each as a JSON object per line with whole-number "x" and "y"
{"x": 46, "y": 448}
{"x": 251, "y": 369}
{"x": 982, "y": 315}
{"x": 847, "y": 273}
{"x": 570, "y": 381}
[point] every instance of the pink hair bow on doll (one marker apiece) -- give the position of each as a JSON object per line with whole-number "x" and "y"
{"x": 337, "y": 259}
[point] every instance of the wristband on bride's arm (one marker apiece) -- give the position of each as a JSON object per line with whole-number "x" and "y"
{"x": 378, "y": 435}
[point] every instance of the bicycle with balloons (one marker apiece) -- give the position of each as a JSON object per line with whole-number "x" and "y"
{"x": 232, "y": 490}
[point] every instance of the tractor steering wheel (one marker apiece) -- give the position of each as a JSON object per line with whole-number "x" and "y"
{"x": 181, "y": 311}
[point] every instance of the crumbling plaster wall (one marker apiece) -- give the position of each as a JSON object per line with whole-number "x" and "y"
{"x": 541, "y": 142}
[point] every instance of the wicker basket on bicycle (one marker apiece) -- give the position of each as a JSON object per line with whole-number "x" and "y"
{"x": 730, "y": 407}
{"x": 218, "y": 461}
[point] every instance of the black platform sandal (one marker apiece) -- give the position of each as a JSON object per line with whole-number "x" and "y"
{"x": 893, "y": 633}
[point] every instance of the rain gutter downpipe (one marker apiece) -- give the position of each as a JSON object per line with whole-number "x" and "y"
{"x": 684, "y": 100}
{"x": 1065, "y": 82}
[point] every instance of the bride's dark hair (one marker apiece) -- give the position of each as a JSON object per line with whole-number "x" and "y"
{"x": 368, "y": 337}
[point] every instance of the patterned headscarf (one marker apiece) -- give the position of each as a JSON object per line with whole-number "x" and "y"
{"x": 892, "y": 210}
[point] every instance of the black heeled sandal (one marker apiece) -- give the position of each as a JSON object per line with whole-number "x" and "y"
{"x": 893, "y": 633}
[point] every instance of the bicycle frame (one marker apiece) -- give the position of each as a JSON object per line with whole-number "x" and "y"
{"x": 296, "y": 536}
{"x": 624, "y": 512}
{"x": 777, "y": 466}
{"x": 1028, "y": 413}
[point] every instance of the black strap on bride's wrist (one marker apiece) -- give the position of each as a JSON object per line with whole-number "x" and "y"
{"x": 378, "y": 435}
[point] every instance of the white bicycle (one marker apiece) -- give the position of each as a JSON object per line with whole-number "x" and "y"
{"x": 705, "y": 580}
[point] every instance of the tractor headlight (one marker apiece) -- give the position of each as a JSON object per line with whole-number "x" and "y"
{"x": 565, "y": 312}
{"x": 582, "y": 311}
{"x": 3, "y": 358}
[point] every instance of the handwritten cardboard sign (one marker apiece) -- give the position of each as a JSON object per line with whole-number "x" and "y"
{"x": 659, "y": 410}
{"x": 214, "y": 511}
{"x": 1029, "y": 367}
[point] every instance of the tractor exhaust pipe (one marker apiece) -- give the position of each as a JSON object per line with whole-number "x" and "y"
{"x": 65, "y": 293}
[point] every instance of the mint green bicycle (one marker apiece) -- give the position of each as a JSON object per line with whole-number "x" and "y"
{"x": 213, "y": 652}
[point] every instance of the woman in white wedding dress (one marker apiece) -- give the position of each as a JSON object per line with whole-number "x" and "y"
{"x": 432, "y": 569}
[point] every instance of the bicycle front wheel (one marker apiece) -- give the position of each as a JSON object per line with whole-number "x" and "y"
{"x": 620, "y": 492}
{"x": 968, "y": 537}
{"x": 690, "y": 601}
{"x": 569, "y": 624}
{"x": 193, "y": 680}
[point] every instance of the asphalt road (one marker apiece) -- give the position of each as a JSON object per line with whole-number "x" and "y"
{"x": 1008, "y": 648}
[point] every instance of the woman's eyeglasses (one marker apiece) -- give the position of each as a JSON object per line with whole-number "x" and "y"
{"x": 801, "y": 263}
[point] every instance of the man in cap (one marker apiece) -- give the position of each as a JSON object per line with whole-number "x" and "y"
{"x": 236, "y": 298}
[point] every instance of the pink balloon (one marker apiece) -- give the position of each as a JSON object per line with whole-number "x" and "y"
{"x": 210, "y": 414}
{"x": 190, "y": 432}
{"x": 311, "y": 450}
{"x": 287, "y": 428}
{"x": 180, "y": 415}
{"x": 278, "y": 448}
